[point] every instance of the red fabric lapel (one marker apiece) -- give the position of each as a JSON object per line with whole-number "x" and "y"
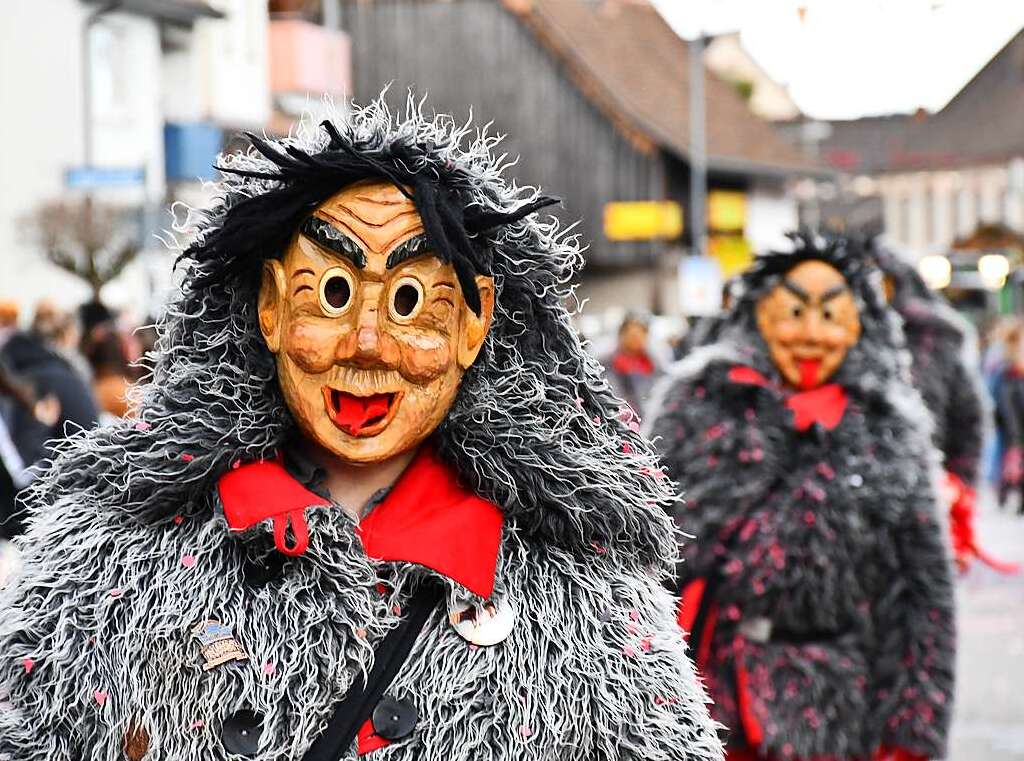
{"x": 825, "y": 405}
{"x": 260, "y": 490}
{"x": 429, "y": 519}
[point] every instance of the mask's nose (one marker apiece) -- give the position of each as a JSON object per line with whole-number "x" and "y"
{"x": 369, "y": 346}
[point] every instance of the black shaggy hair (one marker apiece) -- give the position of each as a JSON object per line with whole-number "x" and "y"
{"x": 260, "y": 227}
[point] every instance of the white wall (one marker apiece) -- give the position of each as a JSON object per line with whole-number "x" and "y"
{"x": 771, "y": 213}
{"x": 223, "y": 74}
{"x": 41, "y": 98}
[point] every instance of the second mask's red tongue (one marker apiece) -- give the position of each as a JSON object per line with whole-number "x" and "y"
{"x": 354, "y": 413}
{"x": 809, "y": 370}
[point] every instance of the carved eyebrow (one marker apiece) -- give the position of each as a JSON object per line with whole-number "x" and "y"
{"x": 407, "y": 250}
{"x": 797, "y": 291}
{"x": 834, "y": 291}
{"x": 328, "y": 236}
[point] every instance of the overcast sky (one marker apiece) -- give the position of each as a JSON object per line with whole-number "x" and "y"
{"x": 850, "y": 58}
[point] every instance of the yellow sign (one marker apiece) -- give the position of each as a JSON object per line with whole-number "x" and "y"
{"x": 733, "y": 253}
{"x": 727, "y": 210}
{"x": 643, "y": 220}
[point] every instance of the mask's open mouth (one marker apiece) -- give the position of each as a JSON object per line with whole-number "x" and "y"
{"x": 360, "y": 415}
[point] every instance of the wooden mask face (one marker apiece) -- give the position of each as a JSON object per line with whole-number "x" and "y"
{"x": 371, "y": 331}
{"x": 810, "y": 321}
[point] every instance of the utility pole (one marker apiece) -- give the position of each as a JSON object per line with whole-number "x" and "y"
{"x": 698, "y": 148}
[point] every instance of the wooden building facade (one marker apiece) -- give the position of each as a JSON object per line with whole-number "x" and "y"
{"x": 593, "y": 95}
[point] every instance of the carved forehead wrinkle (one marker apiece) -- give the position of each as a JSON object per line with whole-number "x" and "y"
{"x": 376, "y": 214}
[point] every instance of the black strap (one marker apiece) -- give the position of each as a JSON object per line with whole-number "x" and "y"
{"x": 359, "y": 702}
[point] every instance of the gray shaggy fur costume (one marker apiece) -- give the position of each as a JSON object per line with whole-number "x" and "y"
{"x": 822, "y": 549}
{"x": 946, "y": 368}
{"x": 128, "y": 548}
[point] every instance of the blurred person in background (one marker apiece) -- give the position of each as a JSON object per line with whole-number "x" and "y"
{"x": 632, "y": 368}
{"x": 817, "y": 593}
{"x": 1001, "y": 333}
{"x": 58, "y": 330}
{"x": 1010, "y": 401}
{"x": 46, "y": 398}
{"x": 945, "y": 367}
{"x": 706, "y": 330}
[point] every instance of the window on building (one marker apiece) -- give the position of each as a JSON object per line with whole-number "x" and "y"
{"x": 107, "y": 71}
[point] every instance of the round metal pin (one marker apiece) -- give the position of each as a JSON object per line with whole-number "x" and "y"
{"x": 483, "y": 622}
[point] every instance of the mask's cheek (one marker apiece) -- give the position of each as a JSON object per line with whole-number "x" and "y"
{"x": 425, "y": 356}
{"x": 312, "y": 344}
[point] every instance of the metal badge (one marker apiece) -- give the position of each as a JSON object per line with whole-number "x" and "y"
{"x": 483, "y": 622}
{"x": 756, "y": 629}
{"x": 218, "y": 644}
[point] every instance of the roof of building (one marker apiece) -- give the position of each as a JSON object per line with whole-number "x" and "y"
{"x": 981, "y": 124}
{"x": 627, "y": 60}
{"x": 179, "y": 12}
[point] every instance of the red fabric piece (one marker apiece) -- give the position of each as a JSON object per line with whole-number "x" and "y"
{"x": 961, "y": 526}
{"x": 689, "y": 603}
{"x": 704, "y": 647}
{"x": 825, "y": 405}
{"x": 809, "y": 369}
{"x": 632, "y": 364}
{"x": 744, "y": 704}
{"x": 748, "y": 375}
{"x": 368, "y": 740}
{"x": 260, "y": 490}
{"x": 429, "y": 519}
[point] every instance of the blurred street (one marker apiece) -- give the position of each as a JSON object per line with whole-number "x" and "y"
{"x": 989, "y": 723}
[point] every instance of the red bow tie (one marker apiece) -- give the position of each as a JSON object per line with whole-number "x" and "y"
{"x": 825, "y": 404}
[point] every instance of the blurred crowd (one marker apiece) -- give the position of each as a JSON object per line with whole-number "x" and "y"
{"x": 60, "y": 370}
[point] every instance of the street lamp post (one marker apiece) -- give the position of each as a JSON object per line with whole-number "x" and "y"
{"x": 698, "y": 147}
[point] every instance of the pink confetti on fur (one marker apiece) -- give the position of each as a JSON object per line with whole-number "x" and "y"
{"x": 269, "y": 668}
{"x": 198, "y": 724}
{"x": 100, "y": 696}
{"x": 142, "y": 425}
{"x": 28, "y": 664}
{"x": 187, "y": 457}
{"x": 188, "y": 561}
{"x": 526, "y": 730}
{"x": 116, "y": 592}
{"x": 629, "y": 651}
{"x": 179, "y": 519}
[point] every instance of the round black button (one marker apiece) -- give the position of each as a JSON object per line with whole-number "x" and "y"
{"x": 261, "y": 571}
{"x": 241, "y": 733}
{"x": 394, "y": 719}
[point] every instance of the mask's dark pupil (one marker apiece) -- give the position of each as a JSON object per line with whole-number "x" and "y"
{"x": 337, "y": 291}
{"x": 406, "y": 299}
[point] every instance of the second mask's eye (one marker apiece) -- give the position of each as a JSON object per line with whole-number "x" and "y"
{"x": 406, "y": 299}
{"x": 335, "y": 291}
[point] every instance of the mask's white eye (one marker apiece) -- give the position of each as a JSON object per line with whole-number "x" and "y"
{"x": 406, "y": 299}
{"x": 336, "y": 291}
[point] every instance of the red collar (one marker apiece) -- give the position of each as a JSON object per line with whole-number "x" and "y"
{"x": 427, "y": 518}
{"x": 632, "y": 364}
{"x": 825, "y": 404}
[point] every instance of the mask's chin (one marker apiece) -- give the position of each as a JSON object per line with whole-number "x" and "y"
{"x": 360, "y": 416}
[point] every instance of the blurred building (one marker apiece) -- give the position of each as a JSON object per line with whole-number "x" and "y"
{"x": 947, "y": 186}
{"x": 128, "y": 102}
{"x": 729, "y": 60}
{"x": 594, "y": 95}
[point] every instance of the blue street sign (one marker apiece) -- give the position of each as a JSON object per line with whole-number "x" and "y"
{"x": 90, "y": 177}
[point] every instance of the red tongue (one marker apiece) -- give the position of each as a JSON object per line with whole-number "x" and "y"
{"x": 354, "y": 413}
{"x": 809, "y": 369}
